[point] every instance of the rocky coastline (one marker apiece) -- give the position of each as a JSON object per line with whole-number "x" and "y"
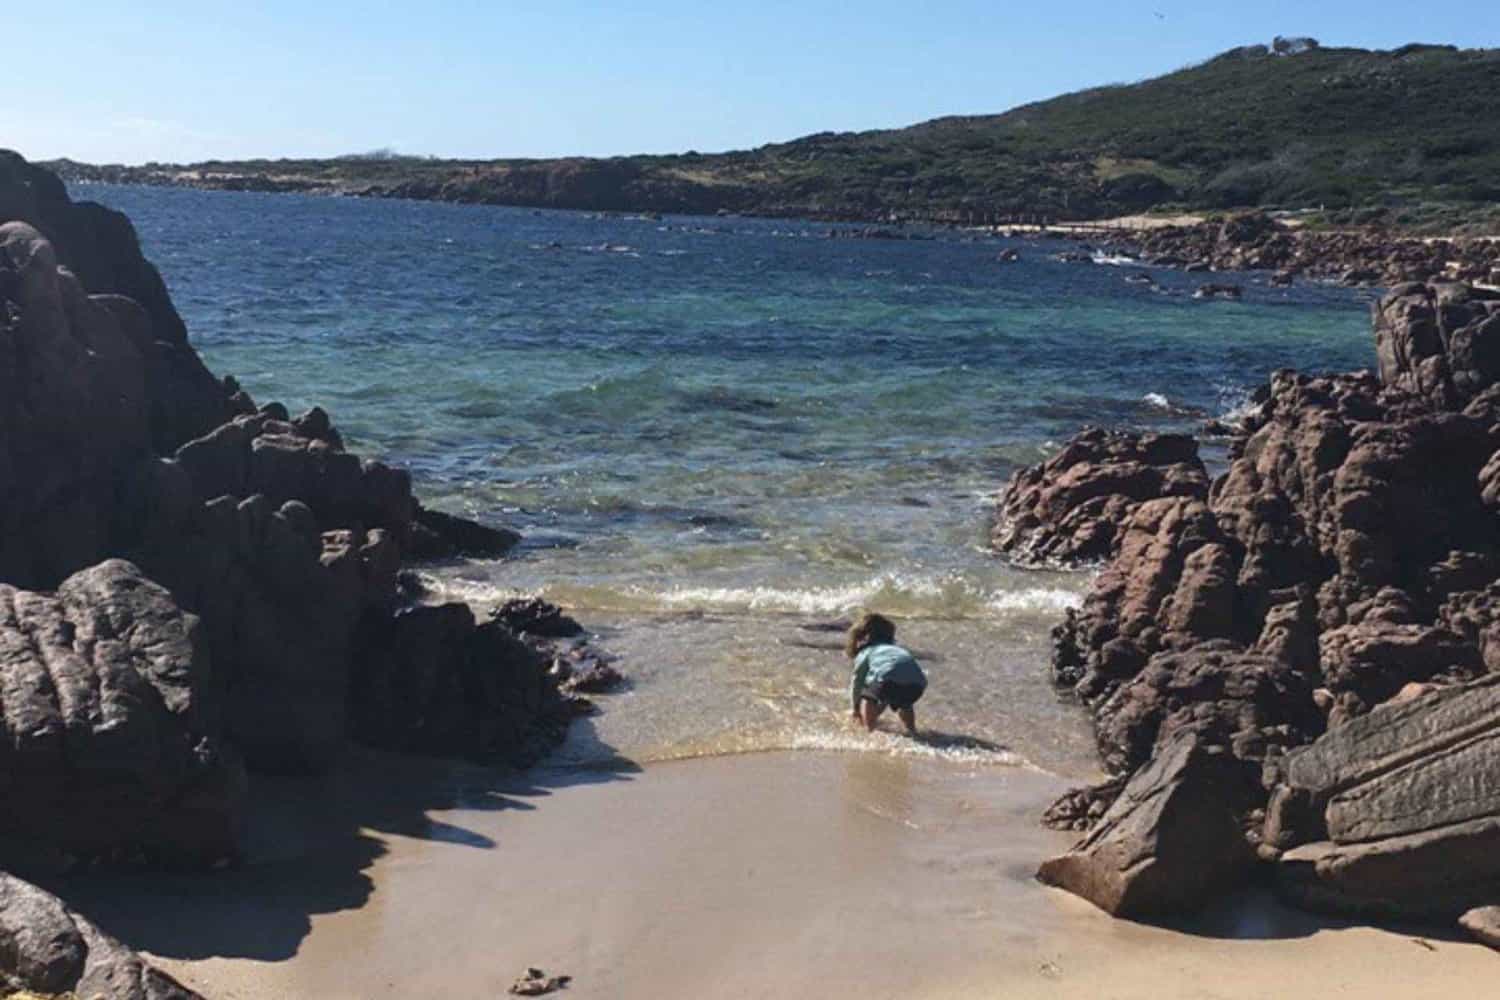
{"x": 1257, "y": 242}
{"x": 196, "y": 590}
{"x": 1291, "y": 669}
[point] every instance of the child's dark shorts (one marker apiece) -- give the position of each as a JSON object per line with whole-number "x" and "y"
{"x": 893, "y": 694}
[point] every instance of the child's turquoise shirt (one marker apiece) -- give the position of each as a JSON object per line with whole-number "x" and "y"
{"x": 885, "y": 662}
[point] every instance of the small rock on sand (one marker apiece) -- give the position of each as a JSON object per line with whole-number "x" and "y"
{"x": 537, "y": 983}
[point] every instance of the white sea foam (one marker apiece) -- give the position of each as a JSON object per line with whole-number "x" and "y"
{"x": 1235, "y": 402}
{"x": 1036, "y": 599}
{"x": 909, "y": 595}
{"x": 927, "y": 746}
{"x": 1157, "y": 401}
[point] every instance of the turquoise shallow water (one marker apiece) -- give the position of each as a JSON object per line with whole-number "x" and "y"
{"x": 735, "y": 424}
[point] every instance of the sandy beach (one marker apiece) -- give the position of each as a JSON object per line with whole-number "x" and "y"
{"x": 813, "y": 874}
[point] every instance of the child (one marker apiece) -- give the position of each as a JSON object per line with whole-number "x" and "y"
{"x": 885, "y": 675}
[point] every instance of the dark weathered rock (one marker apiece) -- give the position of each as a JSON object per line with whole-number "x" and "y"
{"x": 430, "y": 680}
{"x": 110, "y": 730}
{"x": 534, "y": 616}
{"x": 99, "y": 247}
{"x": 1255, "y": 241}
{"x": 1255, "y": 705}
{"x": 1392, "y": 737}
{"x": 47, "y": 949}
{"x": 1080, "y": 808}
{"x": 1171, "y": 842}
{"x": 1439, "y": 341}
{"x": 1109, "y": 639}
{"x": 1341, "y": 575}
{"x": 436, "y": 535}
{"x": 302, "y": 461}
{"x": 1072, "y": 507}
{"x": 1396, "y": 813}
{"x": 1219, "y": 290}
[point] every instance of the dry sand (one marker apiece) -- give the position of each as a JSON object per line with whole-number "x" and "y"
{"x": 786, "y": 874}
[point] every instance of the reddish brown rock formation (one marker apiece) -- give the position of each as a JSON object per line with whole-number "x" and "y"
{"x": 1346, "y": 560}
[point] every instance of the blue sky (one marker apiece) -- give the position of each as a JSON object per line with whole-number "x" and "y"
{"x": 106, "y": 81}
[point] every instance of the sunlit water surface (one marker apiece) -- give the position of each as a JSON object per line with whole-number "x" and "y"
{"x": 720, "y": 434}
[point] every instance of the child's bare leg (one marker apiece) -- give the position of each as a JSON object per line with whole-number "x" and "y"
{"x": 908, "y": 718}
{"x": 869, "y": 711}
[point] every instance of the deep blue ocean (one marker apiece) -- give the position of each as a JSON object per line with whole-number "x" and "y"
{"x": 717, "y": 431}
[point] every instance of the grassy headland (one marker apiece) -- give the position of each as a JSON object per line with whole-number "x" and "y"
{"x": 1405, "y": 137}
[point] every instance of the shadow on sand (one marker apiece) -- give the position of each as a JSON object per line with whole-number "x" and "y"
{"x": 1255, "y": 914}
{"x": 309, "y": 847}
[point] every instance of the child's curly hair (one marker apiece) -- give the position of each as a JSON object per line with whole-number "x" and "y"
{"x": 869, "y": 629}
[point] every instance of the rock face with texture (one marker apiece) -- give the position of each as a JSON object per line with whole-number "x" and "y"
{"x": 1439, "y": 341}
{"x": 1254, "y": 241}
{"x": 430, "y": 680}
{"x": 47, "y": 949}
{"x": 1338, "y": 583}
{"x": 1397, "y": 812}
{"x": 1171, "y": 842}
{"x": 98, "y": 247}
{"x": 261, "y": 531}
{"x": 110, "y": 730}
{"x": 1072, "y": 508}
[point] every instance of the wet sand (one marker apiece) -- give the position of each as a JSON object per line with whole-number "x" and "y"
{"x": 796, "y": 874}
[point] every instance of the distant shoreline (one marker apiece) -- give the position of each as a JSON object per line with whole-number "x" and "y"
{"x": 1247, "y": 240}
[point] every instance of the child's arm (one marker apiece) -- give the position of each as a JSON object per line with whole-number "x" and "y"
{"x": 861, "y": 670}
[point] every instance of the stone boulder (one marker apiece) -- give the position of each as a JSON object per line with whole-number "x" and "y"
{"x": 1171, "y": 842}
{"x": 1170, "y": 566}
{"x": 1396, "y": 813}
{"x": 431, "y": 680}
{"x": 48, "y": 950}
{"x": 280, "y": 602}
{"x": 110, "y": 724}
{"x": 302, "y": 460}
{"x": 1072, "y": 508}
{"x": 72, "y": 413}
{"x": 1257, "y": 706}
{"x": 1439, "y": 341}
{"x": 99, "y": 248}
{"x": 437, "y": 535}
{"x": 1483, "y": 924}
{"x": 534, "y": 616}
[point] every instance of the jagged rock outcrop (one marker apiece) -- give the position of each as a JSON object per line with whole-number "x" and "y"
{"x": 48, "y": 950}
{"x": 1170, "y": 842}
{"x": 1252, "y": 704}
{"x": 1345, "y": 563}
{"x": 1439, "y": 341}
{"x": 437, "y": 535}
{"x": 431, "y": 680}
{"x": 1073, "y": 507}
{"x": 110, "y": 730}
{"x": 267, "y": 536}
{"x": 98, "y": 246}
{"x": 1255, "y": 241}
{"x": 265, "y": 453}
{"x": 1396, "y": 813}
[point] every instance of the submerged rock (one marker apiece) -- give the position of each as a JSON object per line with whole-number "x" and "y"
{"x": 436, "y": 535}
{"x": 534, "y": 616}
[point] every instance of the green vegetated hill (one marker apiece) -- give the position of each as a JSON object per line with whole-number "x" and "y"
{"x": 1408, "y": 130}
